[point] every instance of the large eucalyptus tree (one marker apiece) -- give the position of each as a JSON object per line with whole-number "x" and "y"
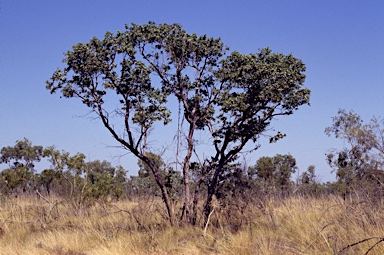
{"x": 233, "y": 98}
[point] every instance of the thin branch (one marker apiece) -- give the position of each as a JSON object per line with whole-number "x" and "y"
{"x": 361, "y": 241}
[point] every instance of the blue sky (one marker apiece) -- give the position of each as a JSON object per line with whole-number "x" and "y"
{"x": 341, "y": 43}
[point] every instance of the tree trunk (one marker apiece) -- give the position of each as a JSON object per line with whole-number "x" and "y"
{"x": 160, "y": 183}
{"x": 187, "y": 160}
{"x": 212, "y": 186}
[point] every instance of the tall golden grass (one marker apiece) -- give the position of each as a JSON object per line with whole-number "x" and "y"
{"x": 296, "y": 225}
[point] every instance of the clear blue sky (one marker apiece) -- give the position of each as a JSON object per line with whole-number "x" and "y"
{"x": 341, "y": 43}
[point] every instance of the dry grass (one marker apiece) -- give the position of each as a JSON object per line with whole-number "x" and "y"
{"x": 293, "y": 226}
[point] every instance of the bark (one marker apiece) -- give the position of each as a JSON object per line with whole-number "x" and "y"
{"x": 211, "y": 191}
{"x": 187, "y": 194}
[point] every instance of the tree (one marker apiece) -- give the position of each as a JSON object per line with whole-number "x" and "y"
{"x": 103, "y": 180}
{"x": 234, "y": 98}
{"x": 119, "y": 182}
{"x": 46, "y": 178}
{"x": 274, "y": 172}
{"x": 309, "y": 176}
{"x": 22, "y": 154}
{"x": 69, "y": 170}
{"x": 21, "y": 159}
{"x": 360, "y": 164}
{"x": 308, "y": 183}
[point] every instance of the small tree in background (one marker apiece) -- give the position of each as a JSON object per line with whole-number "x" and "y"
{"x": 359, "y": 167}
{"x": 48, "y": 179}
{"x": 308, "y": 183}
{"x": 103, "y": 180}
{"x": 274, "y": 173}
{"x": 21, "y": 159}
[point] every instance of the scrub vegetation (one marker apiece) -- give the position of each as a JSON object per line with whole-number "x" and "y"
{"x": 294, "y": 225}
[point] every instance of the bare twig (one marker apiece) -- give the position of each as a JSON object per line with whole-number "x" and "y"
{"x": 362, "y": 241}
{"x": 373, "y": 246}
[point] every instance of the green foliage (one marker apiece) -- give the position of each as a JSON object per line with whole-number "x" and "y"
{"x": 147, "y": 180}
{"x": 119, "y": 182}
{"x": 255, "y": 89}
{"x": 146, "y": 183}
{"x": 23, "y": 154}
{"x": 174, "y": 184}
{"x": 21, "y": 158}
{"x": 103, "y": 180}
{"x": 309, "y": 176}
{"x": 47, "y": 178}
{"x": 274, "y": 173}
{"x": 80, "y": 181}
{"x": 235, "y": 187}
{"x": 359, "y": 166}
{"x": 16, "y": 180}
{"x": 69, "y": 168}
{"x": 308, "y": 183}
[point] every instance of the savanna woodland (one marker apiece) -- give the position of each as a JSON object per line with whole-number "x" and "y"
{"x": 195, "y": 194}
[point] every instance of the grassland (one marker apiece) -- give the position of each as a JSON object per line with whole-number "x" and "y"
{"x": 328, "y": 225}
